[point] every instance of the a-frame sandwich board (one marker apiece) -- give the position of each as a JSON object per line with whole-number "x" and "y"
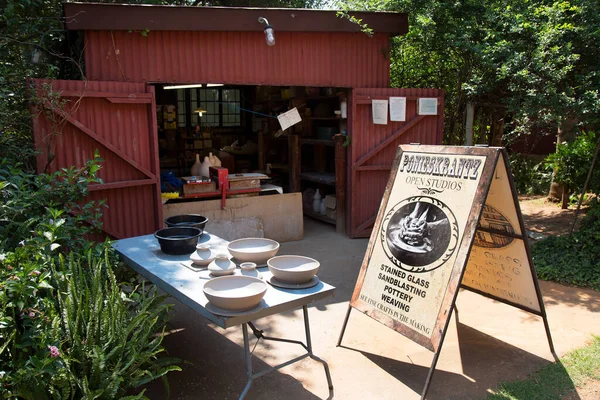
{"x": 449, "y": 218}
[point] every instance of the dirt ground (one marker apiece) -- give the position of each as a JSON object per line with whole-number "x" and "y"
{"x": 490, "y": 342}
{"x": 545, "y": 217}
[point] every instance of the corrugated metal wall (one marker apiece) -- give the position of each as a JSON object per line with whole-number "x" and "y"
{"x": 368, "y": 176}
{"x": 116, "y": 119}
{"x": 298, "y": 58}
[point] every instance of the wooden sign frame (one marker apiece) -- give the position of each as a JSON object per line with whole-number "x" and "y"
{"x": 403, "y": 269}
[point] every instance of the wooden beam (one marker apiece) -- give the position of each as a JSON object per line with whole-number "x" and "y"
{"x": 74, "y": 93}
{"x": 295, "y": 158}
{"x": 379, "y": 167}
{"x": 76, "y": 123}
{"x": 120, "y": 185}
{"x": 405, "y": 128}
{"x": 366, "y": 224}
{"x": 340, "y": 184}
{"x": 123, "y": 100}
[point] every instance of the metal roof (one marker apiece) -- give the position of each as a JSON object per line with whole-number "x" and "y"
{"x": 100, "y": 16}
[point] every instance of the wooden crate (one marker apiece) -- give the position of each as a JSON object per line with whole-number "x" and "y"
{"x": 194, "y": 188}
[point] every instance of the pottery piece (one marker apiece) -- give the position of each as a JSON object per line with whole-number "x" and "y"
{"x": 323, "y": 207}
{"x": 191, "y": 220}
{"x": 235, "y": 293}
{"x": 221, "y": 265}
{"x": 316, "y": 205}
{"x": 293, "y": 269}
{"x": 196, "y": 168}
{"x": 248, "y": 266}
{"x": 214, "y": 160}
{"x": 178, "y": 241}
{"x": 256, "y": 250}
{"x": 204, "y": 168}
{"x": 203, "y": 255}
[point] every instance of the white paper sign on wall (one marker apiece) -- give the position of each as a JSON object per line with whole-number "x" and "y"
{"x": 380, "y": 112}
{"x": 427, "y": 106}
{"x": 397, "y": 108}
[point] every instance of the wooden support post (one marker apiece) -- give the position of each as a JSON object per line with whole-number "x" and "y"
{"x": 340, "y": 183}
{"x": 469, "y": 124}
{"x": 295, "y": 162}
{"x": 261, "y": 152}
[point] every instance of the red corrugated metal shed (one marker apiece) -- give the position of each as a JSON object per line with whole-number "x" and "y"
{"x": 118, "y": 120}
{"x": 373, "y": 148}
{"x": 298, "y": 59}
{"x": 227, "y": 45}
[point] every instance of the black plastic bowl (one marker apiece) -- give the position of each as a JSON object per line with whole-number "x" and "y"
{"x": 187, "y": 220}
{"x": 177, "y": 241}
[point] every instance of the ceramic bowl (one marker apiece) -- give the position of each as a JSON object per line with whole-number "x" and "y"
{"x": 203, "y": 255}
{"x": 178, "y": 241}
{"x": 221, "y": 265}
{"x": 256, "y": 250}
{"x": 293, "y": 269}
{"x": 189, "y": 220}
{"x": 248, "y": 266}
{"x": 235, "y": 293}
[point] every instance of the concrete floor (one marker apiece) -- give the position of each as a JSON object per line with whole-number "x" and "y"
{"x": 490, "y": 343}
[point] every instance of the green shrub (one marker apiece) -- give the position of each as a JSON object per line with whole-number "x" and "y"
{"x": 571, "y": 163}
{"x": 69, "y": 329}
{"x": 573, "y": 259}
{"x": 27, "y": 200}
{"x": 530, "y": 176}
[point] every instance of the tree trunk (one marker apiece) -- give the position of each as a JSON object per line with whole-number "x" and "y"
{"x": 565, "y": 133}
{"x": 497, "y": 128}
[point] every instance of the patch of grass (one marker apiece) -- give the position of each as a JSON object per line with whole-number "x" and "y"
{"x": 555, "y": 380}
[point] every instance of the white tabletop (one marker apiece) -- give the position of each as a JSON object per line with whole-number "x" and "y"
{"x": 143, "y": 254}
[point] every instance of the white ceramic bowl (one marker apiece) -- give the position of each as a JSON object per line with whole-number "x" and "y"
{"x": 257, "y": 250}
{"x": 293, "y": 269}
{"x": 235, "y": 293}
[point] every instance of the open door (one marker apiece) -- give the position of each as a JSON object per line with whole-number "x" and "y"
{"x": 373, "y": 147}
{"x": 119, "y": 120}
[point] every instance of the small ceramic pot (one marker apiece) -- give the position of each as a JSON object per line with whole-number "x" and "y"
{"x": 248, "y": 266}
{"x": 221, "y": 265}
{"x": 203, "y": 255}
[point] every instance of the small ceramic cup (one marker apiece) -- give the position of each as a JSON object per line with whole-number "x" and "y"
{"x": 248, "y": 266}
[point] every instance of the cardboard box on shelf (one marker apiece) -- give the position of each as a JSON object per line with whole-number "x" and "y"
{"x": 170, "y": 125}
{"x": 330, "y": 201}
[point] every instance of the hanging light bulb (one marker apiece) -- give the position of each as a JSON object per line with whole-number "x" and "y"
{"x": 269, "y": 31}
{"x": 199, "y": 111}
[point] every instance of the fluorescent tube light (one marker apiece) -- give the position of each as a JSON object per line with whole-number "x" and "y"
{"x": 182, "y": 86}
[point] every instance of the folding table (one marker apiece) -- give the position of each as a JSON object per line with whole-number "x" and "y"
{"x": 143, "y": 254}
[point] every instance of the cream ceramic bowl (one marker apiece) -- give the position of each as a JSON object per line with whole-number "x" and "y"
{"x": 293, "y": 269}
{"x": 235, "y": 293}
{"x": 256, "y": 250}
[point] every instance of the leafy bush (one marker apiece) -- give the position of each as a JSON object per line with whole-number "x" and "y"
{"x": 31, "y": 201}
{"x": 573, "y": 259}
{"x": 571, "y": 163}
{"x": 530, "y": 176}
{"x": 68, "y": 329}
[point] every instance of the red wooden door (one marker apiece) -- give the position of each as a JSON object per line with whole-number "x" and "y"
{"x": 373, "y": 147}
{"x": 119, "y": 120}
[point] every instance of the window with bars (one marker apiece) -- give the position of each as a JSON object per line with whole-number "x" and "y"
{"x": 221, "y": 106}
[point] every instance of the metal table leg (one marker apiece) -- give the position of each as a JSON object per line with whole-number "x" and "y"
{"x": 259, "y": 335}
{"x": 248, "y": 359}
